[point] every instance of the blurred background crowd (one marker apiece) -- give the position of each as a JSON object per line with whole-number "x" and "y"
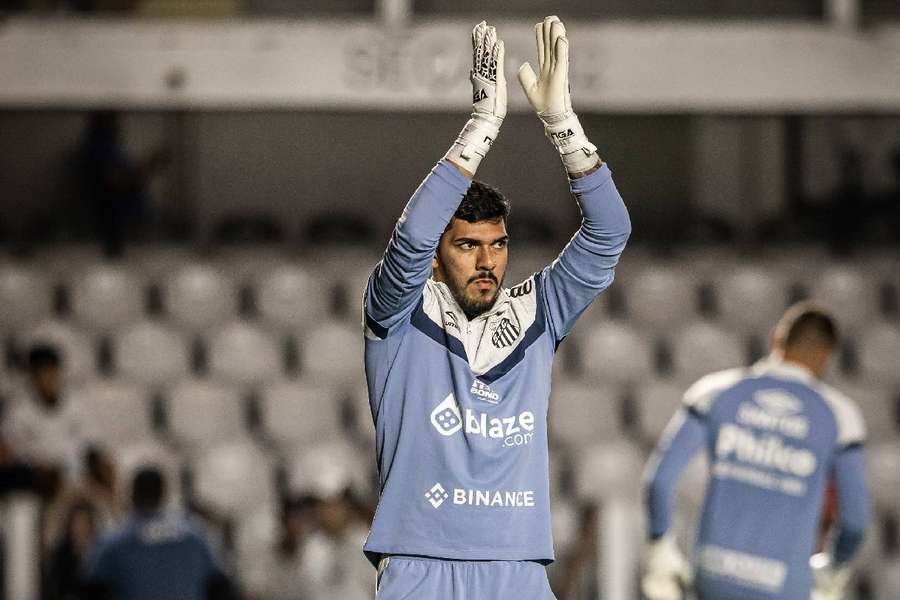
{"x": 180, "y": 280}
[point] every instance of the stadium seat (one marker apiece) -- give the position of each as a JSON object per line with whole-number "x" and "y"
{"x": 159, "y": 262}
{"x": 292, "y": 297}
{"x": 887, "y": 580}
{"x": 296, "y": 414}
{"x": 750, "y": 298}
{"x": 151, "y": 354}
{"x": 113, "y": 413}
{"x": 702, "y": 347}
{"x": 329, "y": 468}
{"x": 133, "y": 456}
{"x": 582, "y": 415}
{"x": 332, "y": 353}
{"x": 878, "y": 352}
{"x": 26, "y": 297}
{"x": 363, "y": 425}
{"x": 201, "y": 413}
{"x": 851, "y": 295}
{"x": 200, "y": 296}
{"x": 883, "y": 462}
{"x": 106, "y": 296}
{"x": 661, "y": 299}
{"x": 233, "y": 478}
{"x": 657, "y": 402}
{"x": 614, "y": 353}
{"x": 76, "y": 349}
{"x": 609, "y": 470}
{"x": 249, "y": 262}
{"x": 878, "y": 405}
{"x": 60, "y": 261}
{"x": 243, "y": 354}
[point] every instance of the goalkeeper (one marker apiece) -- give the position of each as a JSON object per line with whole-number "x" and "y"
{"x": 458, "y": 367}
{"x": 775, "y": 435}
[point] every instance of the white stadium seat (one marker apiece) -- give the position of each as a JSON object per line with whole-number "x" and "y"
{"x": 702, "y": 347}
{"x": 296, "y": 414}
{"x": 243, "y": 354}
{"x": 329, "y": 468}
{"x": 26, "y": 297}
{"x": 660, "y": 299}
{"x": 879, "y": 354}
{"x": 582, "y": 415}
{"x": 291, "y": 297}
{"x": 333, "y": 353}
{"x": 883, "y": 463}
{"x": 878, "y": 407}
{"x": 113, "y": 413}
{"x": 107, "y": 296}
{"x": 851, "y": 296}
{"x": 657, "y": 401}
{"x": 200, "y": 296}
{"x": 202, "y": 413}
{"x": 887, "y": 580}
{"x": 234, "y": 478}
{"x": 610, "y": 470}
{"x": 76, "y": 349}
{"x": 151, "y": 354}
{"x": 750, "y": 298}
{"x": 612, "y": 352}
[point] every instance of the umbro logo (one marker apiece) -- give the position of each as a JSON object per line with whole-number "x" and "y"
{"x": 506, "y": 333}
{"x": 436, "y": 495}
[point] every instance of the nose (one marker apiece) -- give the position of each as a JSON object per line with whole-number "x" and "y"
{"x": 485, "y": 259}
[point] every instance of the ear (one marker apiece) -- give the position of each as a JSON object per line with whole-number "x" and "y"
{"x": 434, "y": 262}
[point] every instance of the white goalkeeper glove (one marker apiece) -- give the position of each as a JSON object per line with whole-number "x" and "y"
{"x": 548, "y": 94}
{"x": 829, "y": 581}
{"x": 667, "y": 573}
{"x": 488, "y": 100}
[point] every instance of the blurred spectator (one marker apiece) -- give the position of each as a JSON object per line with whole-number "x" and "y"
{"x": 70, "y": 553}
{"x": 156, "y": 555}
{"x": 40, "y": 427}
{"x": 116, "y": 184}
{"x": 334, "y": 565}
{"x": 278, "y": 572}
{"x": 95, "y": 489}
{"x": 576, "y": 574}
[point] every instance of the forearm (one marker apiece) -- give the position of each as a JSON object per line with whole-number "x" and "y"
{"x": 853, "y": 503}
{"x": 406, "y": 265}
{"x": 684, "y": 436}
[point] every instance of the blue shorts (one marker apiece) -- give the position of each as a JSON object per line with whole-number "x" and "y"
{"x": 420, "y": 578}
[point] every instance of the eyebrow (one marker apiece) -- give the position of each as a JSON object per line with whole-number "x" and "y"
{"x": 464, "y": 240}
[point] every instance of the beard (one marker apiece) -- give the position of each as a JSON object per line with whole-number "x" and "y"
{"x": 472, "y": 307}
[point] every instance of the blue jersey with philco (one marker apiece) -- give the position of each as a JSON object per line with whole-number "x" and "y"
{"x": 460, "y": 406}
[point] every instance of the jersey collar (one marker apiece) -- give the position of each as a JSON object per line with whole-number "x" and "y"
{"x": 775, "y": 365}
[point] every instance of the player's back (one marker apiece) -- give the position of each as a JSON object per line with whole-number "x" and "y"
{"x": 156, "y": 558}
{"x": 774, "y": 431}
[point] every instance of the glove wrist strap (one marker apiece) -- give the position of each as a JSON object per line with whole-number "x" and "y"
{"x": 566, "y": 134}
{"x": 474, "y": 141}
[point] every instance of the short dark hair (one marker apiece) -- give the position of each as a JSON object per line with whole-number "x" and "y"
{"x": 148, "y": 489}
{"x": 808, "y": 324}
{"x": 41, "y": 356}
{"x": 482, "y": 203}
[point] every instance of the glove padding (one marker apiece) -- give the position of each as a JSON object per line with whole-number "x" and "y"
{"x": 488, "y": 100}
{"x": 830, "y": 581}
{"x": 549, "y": 95}
{"x": 667, "y": 573}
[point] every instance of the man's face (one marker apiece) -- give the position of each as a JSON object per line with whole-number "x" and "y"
{"x": 471, "y": 259}
{"x": 47, "y": 383}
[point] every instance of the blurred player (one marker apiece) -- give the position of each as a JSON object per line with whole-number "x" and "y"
{"x": 156, "y": 555}
{"x": 458, "y": 367}
{"x": 775, "y": 435}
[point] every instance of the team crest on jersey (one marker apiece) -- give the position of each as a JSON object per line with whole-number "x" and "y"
{"x": 505, "y": 334}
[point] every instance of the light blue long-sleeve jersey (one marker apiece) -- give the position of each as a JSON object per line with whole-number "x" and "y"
{"x": 460, "y": 407}
{"x": 774, "y": 436}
